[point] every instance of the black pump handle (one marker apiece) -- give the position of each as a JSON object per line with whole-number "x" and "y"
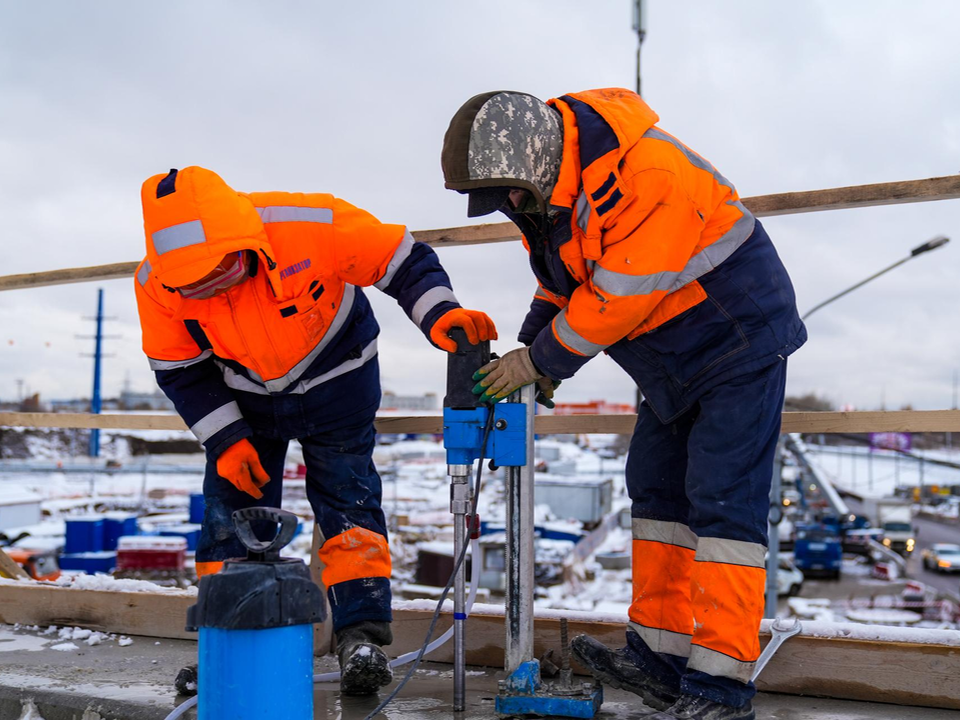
{"x": 265, "y": 549}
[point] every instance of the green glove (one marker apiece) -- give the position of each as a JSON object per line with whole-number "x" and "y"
{"x": 506, "y": 375}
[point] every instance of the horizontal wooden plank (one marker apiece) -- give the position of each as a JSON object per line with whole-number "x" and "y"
{"x": 88, "y": 420}
{"x": 68, "y": 276}
{"x": 906, "y": 673}
{"x": 127, "y": 613}
{"x": 866, "y": 421}
{"x": 853, "y": 196}
{"x": 793, "y": 422}
{"x": 856, "y": 196}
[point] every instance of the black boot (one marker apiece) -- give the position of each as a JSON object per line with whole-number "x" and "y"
{"x": 689, "y": 707}
{"x": 364, "y": 667}
{"x": 186, "y": 682}
{"x": 618, "y": 669}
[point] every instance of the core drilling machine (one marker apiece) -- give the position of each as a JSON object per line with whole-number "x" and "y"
{"x": 503, "y": 434}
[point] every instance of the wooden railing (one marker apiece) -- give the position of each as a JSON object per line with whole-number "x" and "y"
{"x": 793, "y": 422}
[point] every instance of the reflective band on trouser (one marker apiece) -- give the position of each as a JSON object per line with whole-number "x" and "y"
{"x": 211, "y": 424}
{"x": 175, "y": 364}
{"x": 399, "y": 255}
{"x": 571, "y": 339}
{"x": 209, "y": 568}
{"x": 178, "y": 236}
{"x": 294, "y": 213}
{"x": 728, "y": 584}
{"x": 661, "y": 612}
{"x": 429, "y": 300}
{"x": 354, "y": 554}
{"x": 663, "y": 641}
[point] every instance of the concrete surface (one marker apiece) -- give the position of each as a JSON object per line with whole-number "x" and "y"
{"x": 111, "y": 682}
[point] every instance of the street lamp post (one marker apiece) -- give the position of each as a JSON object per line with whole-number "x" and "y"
{"x": 938, "y": 241}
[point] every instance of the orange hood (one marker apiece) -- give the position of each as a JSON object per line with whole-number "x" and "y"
{"x": 192, "y": 219}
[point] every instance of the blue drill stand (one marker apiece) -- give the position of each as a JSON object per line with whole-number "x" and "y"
{"x": 510, "y": 446}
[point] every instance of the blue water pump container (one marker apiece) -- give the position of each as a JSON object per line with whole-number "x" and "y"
{"x": 255, "y": 619}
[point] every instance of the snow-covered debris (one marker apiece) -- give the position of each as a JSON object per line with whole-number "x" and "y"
{"x": 65, "y": 647}
{"x": 124, "y": 641}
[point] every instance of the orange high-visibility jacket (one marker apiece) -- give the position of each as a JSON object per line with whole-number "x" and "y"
{"x": 644, "y": 219}
{"x": 301, "y": 318}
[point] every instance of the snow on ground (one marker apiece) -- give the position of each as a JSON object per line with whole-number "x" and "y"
{"x": 877, "y": 473}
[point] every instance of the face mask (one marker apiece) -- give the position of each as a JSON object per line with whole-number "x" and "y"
{"x": 222, "y": 277}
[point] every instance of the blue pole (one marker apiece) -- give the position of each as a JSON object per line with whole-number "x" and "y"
{"x": 97, "y": 357}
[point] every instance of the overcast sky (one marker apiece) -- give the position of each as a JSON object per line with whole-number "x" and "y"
{"x": 354, "y": 98}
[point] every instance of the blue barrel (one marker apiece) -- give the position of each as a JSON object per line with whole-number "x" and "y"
{"x": 84, "y": 535}
{"x": 256, "y": 673}
{"x": 117, "y": 526}
{"x": 255, "y": 620}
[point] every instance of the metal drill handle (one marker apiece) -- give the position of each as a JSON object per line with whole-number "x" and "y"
{"x": 461, "y": 365}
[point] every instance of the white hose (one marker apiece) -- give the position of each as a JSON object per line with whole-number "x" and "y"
{"x": 412, "y": 655}
{"x": 182, "y": 708}
{"x": 396, "y": 662}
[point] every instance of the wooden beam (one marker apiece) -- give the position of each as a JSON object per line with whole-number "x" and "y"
{"x": 161, "y": 615}
{"x": 853, "y": 196}
{"x": 872, "y": 421}
{"x": 68, "y": 276}
{"x": 856, "y": 196}
{"x": 793, "y": 422}
{"x": 917, "y": 672}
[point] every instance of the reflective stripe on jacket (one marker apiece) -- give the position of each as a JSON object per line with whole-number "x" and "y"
{"x": 299, "y": 319}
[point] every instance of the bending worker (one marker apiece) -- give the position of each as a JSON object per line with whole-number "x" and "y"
{"x": 255, "y": 322}
{"x": 643, "y": 250}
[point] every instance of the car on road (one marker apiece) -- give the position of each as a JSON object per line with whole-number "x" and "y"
{"x": 942, "y": 557}
{"x": 789, "y": 579}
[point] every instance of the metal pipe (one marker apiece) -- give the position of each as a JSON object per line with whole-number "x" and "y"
{"x": 773, "y": 542}
{"x": 459, "y": 506}
{"x": 520, "y": 548}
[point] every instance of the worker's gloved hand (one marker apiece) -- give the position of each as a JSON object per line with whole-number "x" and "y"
{"x": 505, "y": 375}
{"x": 545, "y": 388}
{"x": 240, "y": 464}
{"x": 477, "y": 325}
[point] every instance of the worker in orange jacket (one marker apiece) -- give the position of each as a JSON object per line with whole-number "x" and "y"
{"x": 643, "y": 250}
{"x": 256, "y": 324}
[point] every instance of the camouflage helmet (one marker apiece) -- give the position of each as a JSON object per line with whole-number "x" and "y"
{"x": 503, "y": 140}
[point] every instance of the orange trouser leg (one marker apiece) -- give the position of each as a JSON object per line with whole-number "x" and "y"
{"x": 663, "y": 559}
{"x": 355, "y": 554}
{"x": 727, "y": 586}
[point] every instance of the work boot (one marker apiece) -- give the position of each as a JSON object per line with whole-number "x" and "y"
{"x": 618, "y": 668}
{"x": 186, "y": 682}
{"x": 364, "y": 667}
{"x": 689, "y": 707}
